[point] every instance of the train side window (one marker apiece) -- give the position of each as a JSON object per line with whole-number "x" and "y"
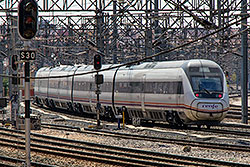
{"x": 41, "y": 83}
{"x": 76, "y": 85}
{"x": 87, "y": 86}
{"x": 138, "y": 87}
{"x": 180, "y": 88}
{"x": 155, "y": 87}
{"x": 64, "y": 84}
{"x": 79, "y": 86}
{"x": 82, "y": 85}
{"x": 160, "y": 87}
{"x": 148, "y": 87}
{"x": 90, "y": 86}
{"x": 51, "y": 84}
{"x": 175, "y": 88}
{"x": 193, "y": 69}
{"x": 117, "y": 87}
{"x": 214, "y": 70}
{"x": 170, "y": 88}
{"x": 107, "y": 87}
{"x": 110, "y": 86}
{"x": 165, "y": 87}
{"x": 135, "y": 87}
{"x": 59, "y": 84}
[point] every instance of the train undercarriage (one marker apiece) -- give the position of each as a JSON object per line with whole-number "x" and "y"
{"x": 132, "y": 116}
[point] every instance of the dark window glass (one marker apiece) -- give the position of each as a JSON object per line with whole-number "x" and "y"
{"x": 214, "y": 70}
{"x": 134, "y": 87}
{"x": 150, "y": 87}
{"x": 207, "y": 84}
{"x": 193, "y": 69}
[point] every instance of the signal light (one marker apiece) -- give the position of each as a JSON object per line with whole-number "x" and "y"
{"x": 14, "y": 64}
{"x": 197, "y": 95}
{"x": 220, "y": 95}
{"x": 97, "y": 62}
{"x": 27, "y": 18}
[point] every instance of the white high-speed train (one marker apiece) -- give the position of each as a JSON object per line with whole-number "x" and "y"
{"x": 179, "y": 92}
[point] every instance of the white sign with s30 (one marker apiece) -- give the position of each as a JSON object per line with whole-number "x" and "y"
{"x": 27, "y": 55}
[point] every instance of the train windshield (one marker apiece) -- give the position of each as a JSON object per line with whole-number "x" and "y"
{"x": 208, "y": 84}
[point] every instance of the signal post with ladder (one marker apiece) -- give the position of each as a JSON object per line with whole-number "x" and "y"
{"x": 27, "y": 28}
{"x": 98, "y": 81}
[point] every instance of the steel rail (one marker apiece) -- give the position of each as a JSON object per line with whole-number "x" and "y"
{"x": 130, "y": 160}
{"x": 220, "y": 131}
{"x": 172, "y": 141}
{"x": 16, "y": 160}
{"x": 139, "y": 151}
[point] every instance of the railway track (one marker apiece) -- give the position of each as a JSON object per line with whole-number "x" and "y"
{"x": 14, "y": 162}
{"x": 227, "y": 131}
{"x": 235, "y": 112}
{"x": 219, "y": 131}
{"x": 135, "y": 137}
{"x": 102, "y": 153}
{"x": 158, "y": 139}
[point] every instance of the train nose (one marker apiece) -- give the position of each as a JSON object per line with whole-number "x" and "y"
{"x": 207, "y": 110}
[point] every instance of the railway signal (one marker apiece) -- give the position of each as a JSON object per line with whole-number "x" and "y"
{"x": 98, "y": 81}
{"x": 14, "y": 64}
{"x": 27, "y": 18}
{"x": 97, "y": 62}
{"x": 27, "y": 28}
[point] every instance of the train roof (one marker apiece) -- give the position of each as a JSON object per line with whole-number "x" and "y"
{"x": 145, "y": 65}
{"x": 174, "y": 64}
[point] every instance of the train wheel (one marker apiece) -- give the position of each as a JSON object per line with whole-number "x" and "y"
{"x": 108, "y": 113}
{"x": 52, "y": 104}
{"x": 79, "y": 106}
{"x": 76, "y": 108}
{"x": 47, "y": 102}
{"x": 38, "y": 102}
{"x": 173, "y": 118}
{"x": 70, "y": 107}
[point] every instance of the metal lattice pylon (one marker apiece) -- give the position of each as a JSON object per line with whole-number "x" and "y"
{"x": 71, "y": 31}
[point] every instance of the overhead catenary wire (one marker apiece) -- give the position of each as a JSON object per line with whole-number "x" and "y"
{"x": 140, "y": 60}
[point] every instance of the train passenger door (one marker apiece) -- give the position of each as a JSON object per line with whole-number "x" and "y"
{"x": 179, "y": 90}
{"x": 143, "y": 92}
{"x": 92, "y": 96}
{"x": 47, "y": 87}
